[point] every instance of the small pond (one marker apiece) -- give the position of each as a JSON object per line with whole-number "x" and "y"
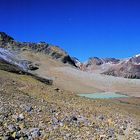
{"x": 103, "y": 95}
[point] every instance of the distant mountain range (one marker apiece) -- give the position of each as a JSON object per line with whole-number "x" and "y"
{"x": 127, "y": 68}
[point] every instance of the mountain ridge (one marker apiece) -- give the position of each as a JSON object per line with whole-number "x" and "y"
{"x": 54, "y": 51}
{"x": 127, "y": 67}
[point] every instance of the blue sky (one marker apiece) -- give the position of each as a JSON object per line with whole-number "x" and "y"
{"x": 84, "y": 28}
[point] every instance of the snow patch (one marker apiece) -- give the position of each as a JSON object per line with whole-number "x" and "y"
{"x": 138, "y": 55}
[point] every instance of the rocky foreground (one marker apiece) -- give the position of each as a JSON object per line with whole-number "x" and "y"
{"x": 31, "y": 110}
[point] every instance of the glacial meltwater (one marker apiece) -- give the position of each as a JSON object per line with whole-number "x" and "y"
{"x": 103, "y": 95}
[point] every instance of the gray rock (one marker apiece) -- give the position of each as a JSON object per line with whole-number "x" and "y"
{"x": 34, "y": 132}
{"x": 11, "y": 128}
{"x": 74, "y": 118}
{"x": 21, "y": 117}
{"x": 29, "y": 108}
{"x": 8, "y": 138}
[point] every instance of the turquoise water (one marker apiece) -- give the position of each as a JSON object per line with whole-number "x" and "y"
{"x": 103, "y": 95}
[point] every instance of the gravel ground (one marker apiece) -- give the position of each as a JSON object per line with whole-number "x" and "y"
{"x": 98, "y": 81}
{"x": 30, "y": 110}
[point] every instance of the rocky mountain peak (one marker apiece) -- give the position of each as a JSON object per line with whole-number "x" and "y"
{"x": 135, "y": 59}
{"x": 95, "y": 61}
{"x": 5, "y": 38}
{"x": 42, "y": 47}
{"x": 100, "y": 61}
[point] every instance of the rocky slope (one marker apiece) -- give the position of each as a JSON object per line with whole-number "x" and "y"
{"x": 30, "y": 110}
{"x": 12, "y": 60}
{"x": 54, "y": 51}
{"x": 11, "y": 63}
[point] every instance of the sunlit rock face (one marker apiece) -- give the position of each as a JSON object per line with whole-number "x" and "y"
{"x": 77, "y": 62}
{"x": 11, "y": 58}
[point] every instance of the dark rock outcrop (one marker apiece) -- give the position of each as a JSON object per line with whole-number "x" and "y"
{"x": 9, "y": 67}
{"x": 77, "y": 62}
{"x": 5, "y": 38}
